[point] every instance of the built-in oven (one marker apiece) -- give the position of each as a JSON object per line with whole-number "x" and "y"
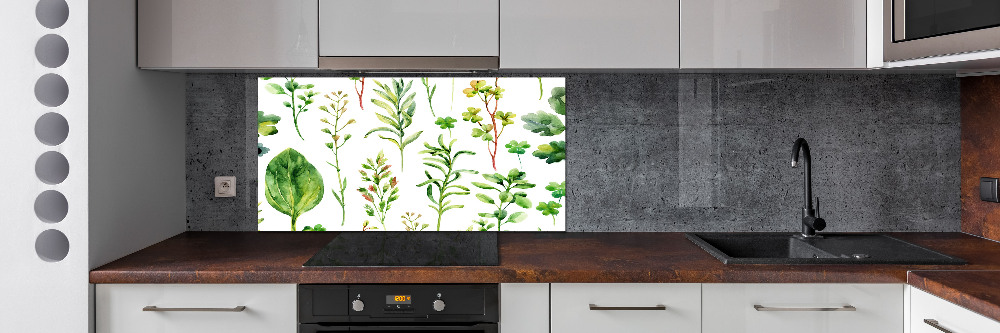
{"x": 927, "y": 28}
{"x": 466, "y": 308}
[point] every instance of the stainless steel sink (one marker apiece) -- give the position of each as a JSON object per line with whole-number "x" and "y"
{"x": 788, "y": 248}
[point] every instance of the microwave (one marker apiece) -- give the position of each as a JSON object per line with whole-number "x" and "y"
{"x": 915, "y": 29}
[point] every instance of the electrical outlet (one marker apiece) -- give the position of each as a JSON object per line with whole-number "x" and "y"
{"x": 225, "y": 186}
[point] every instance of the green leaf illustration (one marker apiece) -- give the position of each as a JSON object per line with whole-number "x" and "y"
{"x": 399, "y": 109}
{"x": 261, "y": 150}
{"x": 515, "y": 179}
{"x": 293, "y": 186}
{"x": 472, "y": 115}
{"x": 543, "y": 123}
{"x": 318, "y": 227}
{"x": 516, "y": 147}
{"x": 442, "y": 158}
{"x": 265, "y": 124}
{"x": 553, "y": 152}
{"x": 558, "y": 189}
{"x": 549, "y": 208}
{"x": 558, "y": 100}
{"x": 445, "y": 123}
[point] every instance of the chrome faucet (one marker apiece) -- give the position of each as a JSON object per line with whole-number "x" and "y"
{"x": 810, "y": 221}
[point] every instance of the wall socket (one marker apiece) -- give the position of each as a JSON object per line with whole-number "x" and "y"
{"x": 225, "y": 186}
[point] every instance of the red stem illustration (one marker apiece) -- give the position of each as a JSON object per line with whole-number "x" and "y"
{"x": 360, "y": 92}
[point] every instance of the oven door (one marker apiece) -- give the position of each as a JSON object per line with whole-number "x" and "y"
{"x": 472, "y": 328}
{"x": 926, "y": 28}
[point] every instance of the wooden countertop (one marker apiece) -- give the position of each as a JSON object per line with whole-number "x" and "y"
{"x": 277, "y": 257}
{"x": 978, "y": 291}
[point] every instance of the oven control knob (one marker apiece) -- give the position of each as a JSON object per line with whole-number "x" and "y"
{"x": 438, "y": 305}
{"x": 358, "y": 305}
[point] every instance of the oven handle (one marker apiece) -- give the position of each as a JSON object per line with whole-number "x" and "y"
{"x": 483, "y": 328}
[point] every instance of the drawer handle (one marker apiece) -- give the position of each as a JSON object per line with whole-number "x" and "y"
{"x": 627, "y": 308}
{"x": 935, "y": 324}
{"x": 233, "y": 309}
{"x": 759, "y": 307}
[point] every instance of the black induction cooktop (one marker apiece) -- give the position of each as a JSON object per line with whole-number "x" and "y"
{"x": 402, "y": 248}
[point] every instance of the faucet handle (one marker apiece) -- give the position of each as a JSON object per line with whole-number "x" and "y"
{"x": 817, "y": 206}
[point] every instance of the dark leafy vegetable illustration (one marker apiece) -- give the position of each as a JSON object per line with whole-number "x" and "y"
{"x": 504, "y": 185}
{"x": 335, "y": 129}
{"x": 491, "y": 131}
{"x": 410, "y": 222}
{"x": 265, "y": 124}
{"x": 518, "y": 148}
{"x": 439, "y": 189}
{"x": 446, "y": 123}
{"x": 549, "y": 208}
{"x": 289, "y": 90}
{"x": 261, "y": 150}
{"x": 552, "y": 152}
{"x": 293, "y": 186}
{"x": 558, "y": 100}
{"x": 430, "y": 93}
{"x": 381, "y": 191}
{"x": 399, "y": 109}
{"x": 318, "y": 227}
{"x": 359, "y": 91}
{"x": 543, "y": 123}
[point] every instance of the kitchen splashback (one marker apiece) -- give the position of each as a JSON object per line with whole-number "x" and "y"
{"x": 411, "y": 154}
{"x": 680, "y": 152}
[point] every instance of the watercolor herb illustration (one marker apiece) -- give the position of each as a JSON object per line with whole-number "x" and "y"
{"x": 298, "y": 102}
{"x": 293, "y": 186}
{"x": 382, "y": 189}
{"x": 504, "y": 185}
{"x": 481, "y": 166}
{"x": 399, "y": 108}
{"x": 334, "y": 129}
{"x": 439, "y": 189}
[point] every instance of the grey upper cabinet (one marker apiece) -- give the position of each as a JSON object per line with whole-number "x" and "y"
{"x": 589, "y": 34}
{"x": 220, "y": 34}
{"x": 777, "y": 34}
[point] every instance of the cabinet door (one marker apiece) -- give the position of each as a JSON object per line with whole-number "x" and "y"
{"x": 227, "y": 34}
{"x": 773, "y": 34}
{"x": 944, "y": 314}
{"x": 589, "y": 34}
{"x": 269, "y": 308}
{"x": 626, "y": 307}
{"x": 524, "y": 308}
{"x": 406, "y": 28}
{"x": 802, "y": 308}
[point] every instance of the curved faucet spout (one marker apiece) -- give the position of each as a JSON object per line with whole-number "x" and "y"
{"x": 810, "y": 222}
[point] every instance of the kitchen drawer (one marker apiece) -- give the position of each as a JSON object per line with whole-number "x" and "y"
{"x": 269, "y": 308}
{"x": 949, "y": 316}
{"x": 679, "y": 307}
{"x": 730, "y": 308}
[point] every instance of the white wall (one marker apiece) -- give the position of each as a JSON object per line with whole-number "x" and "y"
{"x": 137, "y": 185}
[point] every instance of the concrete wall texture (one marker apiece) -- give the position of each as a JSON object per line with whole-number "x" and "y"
{"x": 683, "y": 152}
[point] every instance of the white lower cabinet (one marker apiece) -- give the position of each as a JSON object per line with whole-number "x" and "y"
{"x": 196, "y": 308}
{"x": 626, "y": 307}
{"x": 802, "y": 308}
{"x": 930, "y": 314}
{"x": 524, "y": 308}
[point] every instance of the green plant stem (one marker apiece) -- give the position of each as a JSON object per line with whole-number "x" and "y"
{"x": 541, "y": 91}
{"x": 293, "y": 222}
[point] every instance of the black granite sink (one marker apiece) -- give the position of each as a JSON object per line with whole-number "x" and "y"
{"x": 830, "y": 249}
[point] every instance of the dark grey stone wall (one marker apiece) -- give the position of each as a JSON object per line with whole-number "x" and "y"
{"x": 683, "y": 152}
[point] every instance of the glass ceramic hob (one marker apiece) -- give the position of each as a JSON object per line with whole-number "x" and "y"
{"x": 390, "y": 248}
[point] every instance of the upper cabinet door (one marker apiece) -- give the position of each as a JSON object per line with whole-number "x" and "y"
{"x": 227, "y": 34}
{"x": 774, "y": 34}
{"x": 589, "y": 34}
{"x": 406, "y": 28}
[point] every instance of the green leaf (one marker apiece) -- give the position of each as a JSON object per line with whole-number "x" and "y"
{"x": 549, "y": 208}
{"x": 558, "y": 100}
{"x": 517, "y": 217}
{"x": 411, "y": 138}
{"x": 516, "y": 147}
{"x": 477, "y": 132}
{"x": 483, "y": 186}
{"x": 387, "y": 120}
{"x": 543, "y": 123}
{"x": 484, "y": 198}
{"x": 558, "y": 189}
{"x": 506, "y": 118}
{"x": 293, "y": 186}
{"x": 274, "y": 88}
{"x": 472, "y": 115}
{"x": 445, "y": 123}
{"x": 266, "y": 124}
{"x": 553, "y": 152}
{"x": 522, "y": 201}
{"x": 506, "y": 197}
{"x": 318, "y": 227}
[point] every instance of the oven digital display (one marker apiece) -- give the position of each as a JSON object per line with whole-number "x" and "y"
{"x": 397, "y": 299}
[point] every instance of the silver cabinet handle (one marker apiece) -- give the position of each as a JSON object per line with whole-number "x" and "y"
{"x": 935, "y": 324}
{"x": 627, "y": 308}
{"x": 233, "y": 309}
{"x": 759, "y": 307}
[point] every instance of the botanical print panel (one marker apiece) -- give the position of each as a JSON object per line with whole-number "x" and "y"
{"x": 414, "y": 154}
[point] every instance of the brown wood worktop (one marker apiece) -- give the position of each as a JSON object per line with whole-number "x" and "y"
{"x": 978, "y": 291}
{"x": 277, "y": 257}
